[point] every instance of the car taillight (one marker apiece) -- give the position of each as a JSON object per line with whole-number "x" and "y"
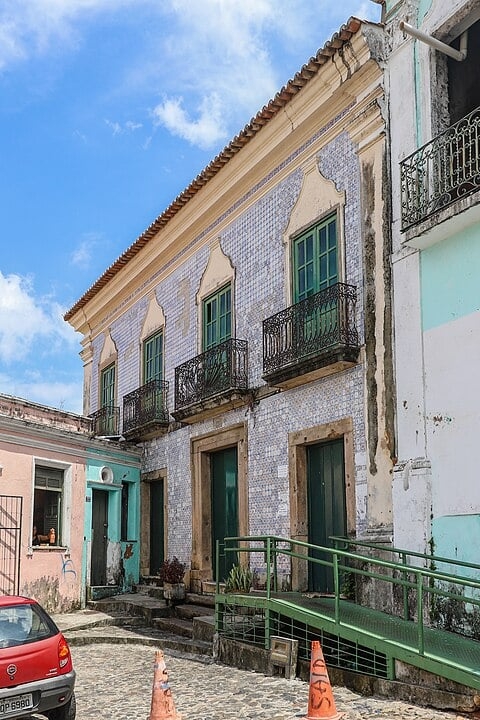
{"x": 63, "y": 652}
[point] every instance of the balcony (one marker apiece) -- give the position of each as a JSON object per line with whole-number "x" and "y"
{"x": 145, "y": 411}
{"x": 208, "y": 382}
{"x": 314, "y": 338}
{"x": 441, "y": 180}
{"x": 106, "y": 421}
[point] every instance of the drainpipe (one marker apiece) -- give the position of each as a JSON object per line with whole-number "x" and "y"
{"x": 458, "y": 55}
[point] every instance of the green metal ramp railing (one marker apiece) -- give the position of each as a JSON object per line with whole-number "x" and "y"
{"x": 382, "y": 609}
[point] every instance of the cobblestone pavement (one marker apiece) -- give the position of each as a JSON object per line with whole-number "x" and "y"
{"x": 114, "y": 682}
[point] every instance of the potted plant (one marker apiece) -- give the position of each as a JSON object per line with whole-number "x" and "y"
{"x": 172, "y": 573}
{"x": 239, "y": 579}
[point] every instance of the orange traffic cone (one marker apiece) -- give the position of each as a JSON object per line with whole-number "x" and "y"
{"x": 320, "y": 697}
{"x": 162, "y": 707}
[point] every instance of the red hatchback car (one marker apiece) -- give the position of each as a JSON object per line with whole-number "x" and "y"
{"x": 36, "y": 673}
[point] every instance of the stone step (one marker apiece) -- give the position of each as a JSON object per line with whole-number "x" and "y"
{"x": 149, "y": 590}
{"x": 174, "y": 626}
{"x": 188, "y": 611}
{"x": 142, "y": 636}
{"x": 204, "y": 628}
{"x": 132, "y": 604}
{"x": 187, "y": 645}
{"x": 200, "y": 600}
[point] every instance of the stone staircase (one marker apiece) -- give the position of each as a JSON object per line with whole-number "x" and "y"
{"x": 188, "y": 627}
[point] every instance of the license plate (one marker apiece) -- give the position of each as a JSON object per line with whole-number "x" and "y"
{"x": 16, "y": 703}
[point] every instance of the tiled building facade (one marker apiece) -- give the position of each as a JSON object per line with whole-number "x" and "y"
{"x": 308, "y": 399}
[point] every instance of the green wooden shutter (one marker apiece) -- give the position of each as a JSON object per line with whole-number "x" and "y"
{"x": 217, "y": 318}
{"x": 108, "y": 386}
{"x": 153, "y": 358}
{"x": 315, "y": 259}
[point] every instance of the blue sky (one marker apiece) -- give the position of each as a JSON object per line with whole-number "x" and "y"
{"x": 108, "y": 109}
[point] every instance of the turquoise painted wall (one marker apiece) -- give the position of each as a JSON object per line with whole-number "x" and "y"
{"x": 457, "y": 537}
{"x": 122, "y": 473}
{"x": 449, "y": 278}
{"x": 424, "y": 6}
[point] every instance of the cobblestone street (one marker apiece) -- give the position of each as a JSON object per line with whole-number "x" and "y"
{"x": 114, "y": 682}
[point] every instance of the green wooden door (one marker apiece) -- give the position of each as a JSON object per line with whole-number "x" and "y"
{"x": 224, "y": 493}
{"x": 326, "y": 506}
{"x": 157, "y": 526}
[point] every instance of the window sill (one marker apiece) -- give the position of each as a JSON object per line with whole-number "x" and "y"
{"x": 47, "y": 548}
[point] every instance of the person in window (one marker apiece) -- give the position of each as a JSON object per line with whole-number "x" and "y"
{"x": 38, "y": 539}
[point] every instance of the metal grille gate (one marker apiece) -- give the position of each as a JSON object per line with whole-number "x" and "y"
{"x": 10, "y": 537}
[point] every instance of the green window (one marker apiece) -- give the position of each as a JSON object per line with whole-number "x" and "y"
{"x": 153, "y": 358}
{"x": 217, "y": 318}
{"x": 315, "y": 259}
{"x": 108, "y": 386}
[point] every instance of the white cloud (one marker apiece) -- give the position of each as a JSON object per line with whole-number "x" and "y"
{"x": 31, "y": 27}
{"x": 132, "y": 126}
{"x": 221, "y": 63}
{"x": 65, "y": 395}
{"x": 114, "y": 127}
{"x": 117, "y": 129}
{"x": 82, "y": 255}
{"x": 205, "y": 131}
{"x": 28, "y": 323}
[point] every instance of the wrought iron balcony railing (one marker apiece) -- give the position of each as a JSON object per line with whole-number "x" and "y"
{"x": 145, "y": 409}
{"x": 311, "y": 333}
{"x": 106, "y": 421}
{"x": 219, "y": 370}
{"x": 442, "y": 171}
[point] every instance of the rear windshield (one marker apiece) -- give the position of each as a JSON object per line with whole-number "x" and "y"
{"x": 20, "y": 624}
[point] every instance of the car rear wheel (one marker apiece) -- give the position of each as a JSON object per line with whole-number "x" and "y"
{"x": 66, "y": 712}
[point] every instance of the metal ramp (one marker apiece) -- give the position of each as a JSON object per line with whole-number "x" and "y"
{"x": 431, "y": 622}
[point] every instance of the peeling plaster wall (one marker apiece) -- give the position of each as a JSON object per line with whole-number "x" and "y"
{"x": 437, "y": 311}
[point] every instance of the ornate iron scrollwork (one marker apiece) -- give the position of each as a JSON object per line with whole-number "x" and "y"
{"x": 442, "y": 171}
{"x": 145, "y": 406}
{"x": 106, "y": 421}
{"x": 218, "y": 370}
{"x": 311, "y": 327}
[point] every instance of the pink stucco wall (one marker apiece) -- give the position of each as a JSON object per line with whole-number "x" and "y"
{"x": 52, "y": 575}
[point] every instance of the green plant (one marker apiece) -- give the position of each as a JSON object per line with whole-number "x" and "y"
{"x": 172, "y": 571}
{"x": 240, "y": 579}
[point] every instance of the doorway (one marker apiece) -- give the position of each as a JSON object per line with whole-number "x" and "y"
{"x": 225, "y": 450}
{"x": 311, "y": 452}
{"x": 157, "y": 526}
{"x": 224, "y": 495}
{"x": 98, "y": 571}
{"x": 326, "y": 507}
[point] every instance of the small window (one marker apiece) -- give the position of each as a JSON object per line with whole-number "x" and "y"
{"x": 47, "y": 506}
{"x": 315, "y": 259}
{"x": 153, "y": 358}
{"x": 217, "y": 317}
